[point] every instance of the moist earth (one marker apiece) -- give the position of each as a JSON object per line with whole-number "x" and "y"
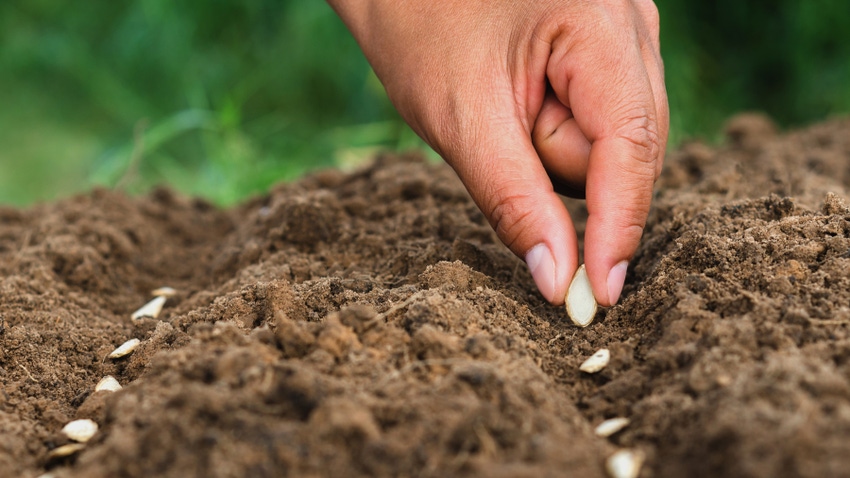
{"x": 371, "y": 324}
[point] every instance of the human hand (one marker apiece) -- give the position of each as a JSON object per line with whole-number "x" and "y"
{"x": 516, "y": 96}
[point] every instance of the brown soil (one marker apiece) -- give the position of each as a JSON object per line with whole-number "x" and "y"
{"x": 370, "y": 324}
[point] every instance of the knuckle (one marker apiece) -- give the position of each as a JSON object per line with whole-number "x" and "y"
{"x": 636, "y": 209}
{"x": 631, "y": 216}
{"x": 648, "y": 11}
{"x": 633, "y": 232}
{"x": 641, "y": 132}
{"x": 508, "y": 217}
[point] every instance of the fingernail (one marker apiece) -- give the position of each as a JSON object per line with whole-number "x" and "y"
{"x": 542, "y": 267}
{"x": 616, "y": 279}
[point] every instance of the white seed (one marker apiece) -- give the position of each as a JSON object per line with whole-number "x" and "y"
{"x": 581, "y": 305}
{"x": 125, "y": 349}
{"x": 66, "y": 450}
{"x": 624, "y": 464}
{"x": 596, "y": 362}
{"x": 164, "y": 292}
{"x": 151, "y": 309}
{"x": 80, "y": 430}
{"x": 108, "y": 384}
{"x": 611, "y": 426}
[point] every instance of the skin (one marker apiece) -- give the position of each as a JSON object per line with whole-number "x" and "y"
{"x": 529, "y": 99}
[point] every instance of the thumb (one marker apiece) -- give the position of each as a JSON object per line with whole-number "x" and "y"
{"x": 509, "y": 184}
{"x": 621, "y": 107}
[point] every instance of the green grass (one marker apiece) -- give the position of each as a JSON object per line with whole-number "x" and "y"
{"x": 222, "y": 99}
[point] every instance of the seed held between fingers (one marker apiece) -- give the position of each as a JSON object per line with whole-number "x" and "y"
{"x": 580, "y": 302}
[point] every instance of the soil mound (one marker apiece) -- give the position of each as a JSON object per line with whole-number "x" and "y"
{"x": 370, "y": 324}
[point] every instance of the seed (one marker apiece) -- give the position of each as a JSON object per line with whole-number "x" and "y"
{"x": 581, "y": 305}
{"x": 624, "y": 464}
{"x": 164, "y": 292}
{"x": 108, "y": 384}
{"x": 151, "y": 309}
{"x": 611, "y": 426}
{"x": 125, "y": 349}
{"x": 65, "y": 450}
{"x": 80, "y": 430}
{"x": 596, "y": 362}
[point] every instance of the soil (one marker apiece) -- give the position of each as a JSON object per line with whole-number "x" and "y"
{"x": 370, "y": 324}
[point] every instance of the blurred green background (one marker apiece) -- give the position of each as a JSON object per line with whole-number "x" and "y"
{"x": 222, "y": 98}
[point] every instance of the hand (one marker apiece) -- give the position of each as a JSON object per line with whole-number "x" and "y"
{"x": 516, "y": 96}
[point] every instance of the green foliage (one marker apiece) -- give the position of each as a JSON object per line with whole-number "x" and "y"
{"x": 223, "y": 98}
{"x": 219, "y": 98}
{"x": 786, "y": 58}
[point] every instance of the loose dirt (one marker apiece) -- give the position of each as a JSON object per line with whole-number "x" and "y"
{"x": 370, "y": 324}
